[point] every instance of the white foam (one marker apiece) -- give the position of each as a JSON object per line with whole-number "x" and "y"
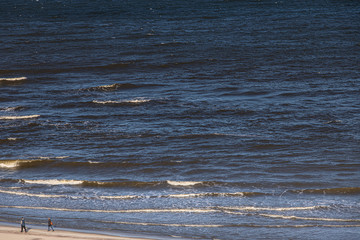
{"x": 190, "y": 195}
{"x": 309, "y": 218}
{"x": 250, "y": 208}
{"x": 93, "y": 162}
{"x": 120, "y": 197}
{"x": 32, "y": 194}
{"x": 184, "y": 210}
{"x": 173, "y": 210}
{"x": 13, "y": 79}
{"x": 108, "y": 86}
{"x": 9, "y": 109}
{"x": 19, "y": 162}
{"x": 106, "y": 102}
{"x": 9, "y": 164}
{"x": 18, "y": 117}
{"x": 133, "y": 101}
{"x": 172, "y": 224}
{"x": 182, "y": 183}
{"x": 13, "y": 163}
{"x": 53, "y": 182}
{"x": 138, "y": 100}
{"x": 49, "y": 158}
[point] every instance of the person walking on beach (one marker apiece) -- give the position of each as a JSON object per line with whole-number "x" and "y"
{"x": 22, "y": 223}
{"x": 50, "y": 225}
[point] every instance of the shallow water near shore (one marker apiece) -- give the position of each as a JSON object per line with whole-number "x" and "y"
{"x": 203, "y": 119}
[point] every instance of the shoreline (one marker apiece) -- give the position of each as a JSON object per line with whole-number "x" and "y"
{"x": 11, "y": 231}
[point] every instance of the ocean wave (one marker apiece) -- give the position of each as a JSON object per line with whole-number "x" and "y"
{"x": 186, "y": 195}
{"x": 233, "y": 225}
{"x": 172, "y": 224}
{"x": 53, "y": 182}
{"x": 18, "y": 117}
{"x": 173, "y": 210}
{"x": 23, "y": 163}
{"x": 125, "y": 197}
{"x": 13, "y": 79}
{"x": 183, "y": 183}
{"x": 59, "y": 162}
{"x": 112, "y": 87}
{"x": 309, "y": 218}
{"x": 131, "y": 101}
{"x": 85, "y": 183}
{"x": 11, "y": 109}
{"x": 277, "y": 209}
{"x": 6, "y": 140}
{"x": 333, "y": 191}
{"x": 182, "y": 210}
{"x": 40, "y": 195}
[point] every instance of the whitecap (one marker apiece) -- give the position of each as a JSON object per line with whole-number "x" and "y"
{"x": 53, "y": 182}
{"x": 182, "y": 183}
{"x": 120, "y": 197}
{"x": 251, "y": 208}
{"x": 18, "y": 117}
{"x": 309, "y": 218}
{"x": 130, "y": 101}
{"x": 105, "y": 102}
{"x": 20, "y": 162}
{"x": 13, "y": 79}
{"x": 9, "y": 164}
{"x": 32, "y": 194}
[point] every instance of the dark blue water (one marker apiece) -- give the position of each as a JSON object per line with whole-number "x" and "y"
{"x": 197, "y": 119}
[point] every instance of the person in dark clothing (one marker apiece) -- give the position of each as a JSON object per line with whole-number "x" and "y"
{"x": 50, "y": 225}
{"x": 22, "y": 223}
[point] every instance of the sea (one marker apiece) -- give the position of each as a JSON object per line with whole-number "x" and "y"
{"x": 179, "y": 119}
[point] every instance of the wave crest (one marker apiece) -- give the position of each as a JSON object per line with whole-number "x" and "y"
{"x": 13, "y": 79}
{"x": 333, "y": 191}
{"x": 53, "y": 182}
{"x": 18, "y": 117}
{"x": 112, "y": 87}
{"x": 124, "y": 102}
{"x": 23, "y": 163}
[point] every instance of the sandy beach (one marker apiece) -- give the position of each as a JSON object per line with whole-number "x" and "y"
{"x": 13, "y": 233}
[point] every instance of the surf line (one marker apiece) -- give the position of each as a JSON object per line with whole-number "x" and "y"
{"x": 32, "y": 194}
{"x": 309, "y": 218}
{"x": 229, "y": 225}
{"x": 177, "y": 210}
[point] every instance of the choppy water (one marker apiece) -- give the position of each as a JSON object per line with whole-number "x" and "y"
{"x": 199, "y": 119}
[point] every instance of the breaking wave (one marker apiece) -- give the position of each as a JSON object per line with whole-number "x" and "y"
{"x": 125, "y": 197}
{"x": 23, "y": 163}
{"x": 40, "y": 195}
{"x": 191, "y": 210}
{"x": 231, "y": 225}
{"x": 118, "y": 86}
{"x": 131, "y": 101}
{"x": 10, "y": 109}
{"x": 183, "y": 183}
{"x": 309, "y": 218}
{"x": 53, "y": 182}
{"x": 13, "y": 79}
{"x": 333, "y": 191}
{"x": 18, "y": 117}
{"x": 112, "y": 87}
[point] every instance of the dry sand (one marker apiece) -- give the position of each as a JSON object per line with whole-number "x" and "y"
{"x": 13, "y": 233}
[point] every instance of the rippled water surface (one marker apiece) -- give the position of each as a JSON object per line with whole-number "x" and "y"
{"x": 203, "y": 119}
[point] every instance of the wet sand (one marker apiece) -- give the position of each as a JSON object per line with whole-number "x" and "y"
{"x": 13, "y": 233}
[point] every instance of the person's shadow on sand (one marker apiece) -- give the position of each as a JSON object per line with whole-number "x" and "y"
{"x": 27, "y": 230}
